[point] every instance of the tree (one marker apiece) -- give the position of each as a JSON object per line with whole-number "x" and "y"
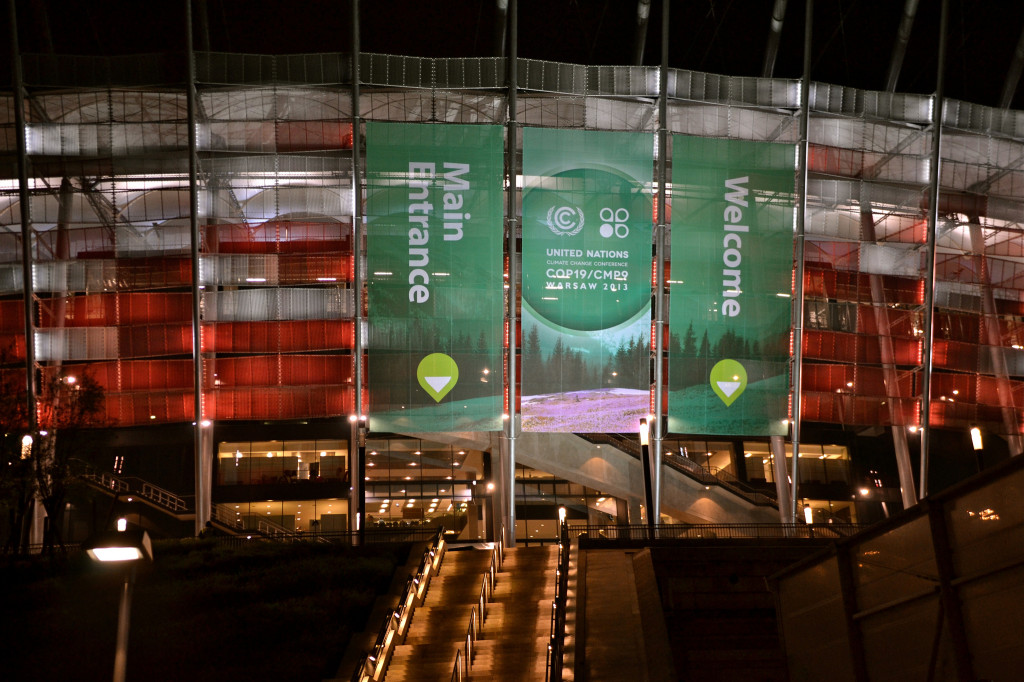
{"x": 68, "y": 404}
{"x": 40, "y": 466}
{"x": 17, "y": 487}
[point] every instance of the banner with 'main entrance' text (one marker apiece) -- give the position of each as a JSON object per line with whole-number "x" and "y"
{"x": 434, "y": 259}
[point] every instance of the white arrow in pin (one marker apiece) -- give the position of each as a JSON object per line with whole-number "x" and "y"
{"x": 728, "y": 387}
{"x": 437, "y": 383}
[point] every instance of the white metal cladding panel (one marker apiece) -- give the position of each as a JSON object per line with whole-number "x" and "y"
{"x": 446, "y": 106}
{"x": 901, "y": 260}
{"x": 609, "y": 114}
{"x": 10, "y": 279}
{"x": 238, "y": 269}
{"x": 77, "y": 343}
{"x": 277, "y": 304}
{"x": 319, "y": 201}
{"x": 551, "y": 111}
{"x": 164, "y": 239}
{"x": 737, "y": 122}
{"x": 276, "y": 103}
{"x": 75, "y": 275}
{"x": 109, "y": 106}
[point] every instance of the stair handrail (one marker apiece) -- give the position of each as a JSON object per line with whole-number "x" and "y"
{"x": 106, "y": 480}
{"x": 164, "y": 498}
{"x": 457, "y": 670}
{"x": 479, "y": 612}
{"x": 133, "y": 484}
{"x": 556, "y": 643}
{"x": 395, "y": 625}
{"x": 721, "y": 530}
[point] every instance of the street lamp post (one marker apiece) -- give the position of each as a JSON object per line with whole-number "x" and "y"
{"x": 126, "y": 547}
{"x": 645, "y": 455}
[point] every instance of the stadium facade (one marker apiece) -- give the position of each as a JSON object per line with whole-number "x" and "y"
{"x": 194, "y": 236}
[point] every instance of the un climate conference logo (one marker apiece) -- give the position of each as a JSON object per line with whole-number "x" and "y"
{"x": 565, "y": 221}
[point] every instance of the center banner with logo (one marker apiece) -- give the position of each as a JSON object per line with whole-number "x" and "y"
{"x": 586, "y": 299}
{"x": 434, "y": 224}
{"x": 730, "y": 286}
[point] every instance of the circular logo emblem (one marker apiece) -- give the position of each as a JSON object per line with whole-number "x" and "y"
{"x": 565, "y": 220}
{"x": 614, "y": 222}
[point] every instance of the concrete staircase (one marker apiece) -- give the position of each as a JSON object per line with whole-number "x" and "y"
{"x": 517, "y": 629}
{"x": 513, "y": 638}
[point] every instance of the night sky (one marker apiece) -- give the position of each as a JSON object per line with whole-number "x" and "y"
{"x": 853, "y": 39}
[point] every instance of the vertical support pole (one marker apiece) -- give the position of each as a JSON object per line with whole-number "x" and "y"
{"x": 202, "y": 485}
{"x": 778, "y": 462}
{"x": 357, "y": 434}
{"x": 513, "y": 271}
{"x": 774, "y": 35}
{"x": 990, "y": 322}
{"x": 798, "y": 311}
{"x": 887, "y": 355}
{"x": 500, "y": 26}
{"x": 124, "y": 615}
{"x": 24, "y": 204}
{"x": 659, "y": 264}
{"x": 933, "y": 226}
{"x": 645, "y": 460}
{"x": 643, "y": 12}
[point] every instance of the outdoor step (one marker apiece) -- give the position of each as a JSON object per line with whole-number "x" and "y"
{"x": 516, "y": 621}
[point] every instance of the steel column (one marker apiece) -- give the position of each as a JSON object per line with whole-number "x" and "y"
{"x": 798, "y": 310}
{"x": 899, "y": 49}
{"x": 202, "y": 484}
{"x": 933, "y": 224}
{"x": 774, "y": 35}
{"x": 890, "y": 377}
{"x": 357, "y": 438}
{"x": 990, "y": 321}
{"x": 512, "y": 423}
{"x": 659, "y": 266}
{"x": 25, "y": 209}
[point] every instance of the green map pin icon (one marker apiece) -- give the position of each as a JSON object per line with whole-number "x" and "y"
{"x": 437, "y": 374}
{"x": 728, "y": 380}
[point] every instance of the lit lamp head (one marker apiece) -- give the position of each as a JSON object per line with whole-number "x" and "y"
{"x": 976, "y": 438}
{"x": 645, "y": 432}
{"x": 128, "y": 545}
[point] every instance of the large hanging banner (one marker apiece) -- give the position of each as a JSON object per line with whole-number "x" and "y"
{"x": 732, "y": 268}
{"x": 586, "y": 314}
{"x": 434, "y": 260}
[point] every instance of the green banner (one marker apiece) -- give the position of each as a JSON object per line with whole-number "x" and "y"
{"x": 586, "y": 309}
{"x": 730, "y": 286}
{"x": 435, "y": 276}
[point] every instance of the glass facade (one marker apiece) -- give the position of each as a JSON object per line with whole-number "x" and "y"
{"x": 109, "y": 201}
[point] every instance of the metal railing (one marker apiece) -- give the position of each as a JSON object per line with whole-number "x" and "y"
{"x": 105, "y": 480}
{"x": 457, "y": 673}
{"x": 706, "y": 531}
{"x": 479, "y": 612}
{"x": 396, "y": 624}
{"x": 162, "y": 498}
{"x": 556, "y": 638}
